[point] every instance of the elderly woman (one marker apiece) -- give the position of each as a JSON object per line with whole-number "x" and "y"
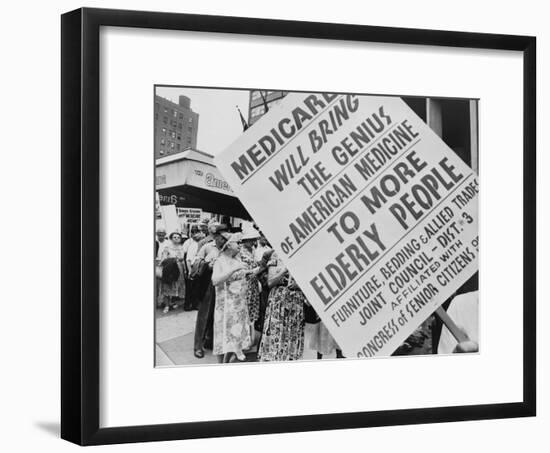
{"x": 283, "y": 331}
{"x": 231, "y": 321}
{"x": 172, "y": 285}
{"x": 248, "y": 241}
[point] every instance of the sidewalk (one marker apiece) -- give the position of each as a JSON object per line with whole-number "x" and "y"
{"x": 174, "y": 341}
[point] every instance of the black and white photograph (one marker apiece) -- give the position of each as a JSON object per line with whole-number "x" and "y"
{"x": 278, "y": 226}
{"x": 296, "y": 225}
{"x": 275, "y": 226}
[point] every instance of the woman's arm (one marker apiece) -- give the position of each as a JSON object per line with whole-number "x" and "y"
{"x": 220, "y": 275}
{"x": 165, "y": 254}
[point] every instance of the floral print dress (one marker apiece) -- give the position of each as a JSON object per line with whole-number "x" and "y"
{"x": 283, "y": 333}
{"x": 231, "y": 322}
{"x": 252, "y": 286}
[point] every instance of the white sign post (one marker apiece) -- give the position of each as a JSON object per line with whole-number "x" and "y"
{"x": 372, "y": 213}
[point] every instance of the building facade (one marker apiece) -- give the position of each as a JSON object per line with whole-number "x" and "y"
{"x": 176, "y": 126}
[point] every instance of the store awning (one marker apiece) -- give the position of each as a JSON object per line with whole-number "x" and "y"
{"x": 191, "y": 180}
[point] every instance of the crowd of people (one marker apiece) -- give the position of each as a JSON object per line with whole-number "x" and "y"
{"x": 244, "y": 296}
{"x": 246, "y": 300}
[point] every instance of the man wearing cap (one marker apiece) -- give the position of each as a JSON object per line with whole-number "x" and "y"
{"x": 190, "y": 248}
{"x": 209, "y": 252}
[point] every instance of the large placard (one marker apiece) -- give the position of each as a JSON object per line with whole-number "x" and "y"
{"x": 372, "y": 213}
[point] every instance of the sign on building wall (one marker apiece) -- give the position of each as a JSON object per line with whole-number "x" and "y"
{"x": 374, "y": 216}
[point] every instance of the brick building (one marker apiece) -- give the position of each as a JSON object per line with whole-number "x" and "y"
{"x": 176, "y": 126}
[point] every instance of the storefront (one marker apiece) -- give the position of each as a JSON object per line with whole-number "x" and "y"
{"x": 190, "y": 182}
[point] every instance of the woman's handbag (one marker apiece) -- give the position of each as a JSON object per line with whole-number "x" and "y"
{"x": 170, "y": 271}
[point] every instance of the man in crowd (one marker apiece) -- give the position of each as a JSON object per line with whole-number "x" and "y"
{"x": 202, "y": 268}
{"x": 190, "y": 248}
{"x": 160, "y": 242}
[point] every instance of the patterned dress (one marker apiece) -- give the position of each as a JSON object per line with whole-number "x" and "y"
{"x": 252, "y": 286}
{"x": 283, "y": 334}
{"x": 231, "y": 323}
{"x": 177, "y": 288}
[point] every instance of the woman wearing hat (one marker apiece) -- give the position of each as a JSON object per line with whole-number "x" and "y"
{"x": 231, "y": 322}
{"x": 283, "y": 332}
{"x": 172, "y": 285}
{"x": 248, "y": 241}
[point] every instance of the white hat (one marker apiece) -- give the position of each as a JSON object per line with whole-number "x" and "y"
{"x": 230, "y": 237}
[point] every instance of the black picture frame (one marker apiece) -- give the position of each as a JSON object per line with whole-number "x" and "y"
{"x": 80, "y": 264}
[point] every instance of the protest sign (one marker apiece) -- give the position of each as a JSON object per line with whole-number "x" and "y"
{"x": 191, "y": 215}
{"x": 171, "y": 219}
{"x": 372, "y": 213}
